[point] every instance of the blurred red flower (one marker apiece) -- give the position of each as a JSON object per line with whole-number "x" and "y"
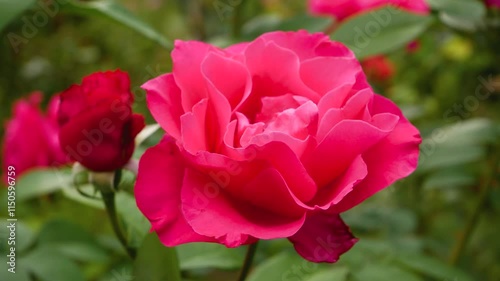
{"x": 378, "y": 68}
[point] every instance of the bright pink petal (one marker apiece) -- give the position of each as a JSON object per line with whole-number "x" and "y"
{"x": 158, "y": 194}
{"x": 302, "y": 43}
{"x": 343, "y": 143}
{"x": 164, "y": 102}
{"x": 393, "y": 158}
{"x": 354, "y": 109}
{"x": 323, "y": 74}
{"x": 188, "y": 57}
{"x": 193, "y": 130}
{"x": 212, "y": 212}
{"x": 323, "y": 237}
{"x": 336, "y": 191}
{"x": 229, "y": 77}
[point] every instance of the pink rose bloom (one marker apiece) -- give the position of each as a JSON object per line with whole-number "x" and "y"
{"x": 342, "y": 9}
{"x": 493, "y": 3}
{"x": 269, "y": 139}
{"x": 31, "y": 137}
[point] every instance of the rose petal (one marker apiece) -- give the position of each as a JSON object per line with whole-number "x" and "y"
{"x": 333, "y": 193}
{"x": 158, "y": 194}
{"x": 323, "y": 237}
{"x": 187, "y": 57}
{"x": 212, "y": 212}
{"x": 354, "y": 109}
{"x": 344, "y": 142}
{"x": 323, "y": 74}
{"x": 229, "y": 77}
{"x": 302, "y": 43}
{"x": 193, "y": 130}
{"x": 396, "y": 157}
{"x": 164, "y": 102}
{"x": 266, "y": 63}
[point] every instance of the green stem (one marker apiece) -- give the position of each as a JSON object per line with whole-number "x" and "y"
{"x": 464, "y": 238}
{"x": 109, "y": 203}
{"x": 247, "y": 264}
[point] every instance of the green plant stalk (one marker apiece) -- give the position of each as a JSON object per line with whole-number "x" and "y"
{"x": 109, "y": 203}
{"x": 247, "y": 264}
{"x": 464, "y": 237}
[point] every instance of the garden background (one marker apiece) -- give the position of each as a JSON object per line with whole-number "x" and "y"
{"x": 443, "y": 70}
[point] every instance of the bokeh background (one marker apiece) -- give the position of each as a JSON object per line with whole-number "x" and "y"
{"x": 441, "y": 223}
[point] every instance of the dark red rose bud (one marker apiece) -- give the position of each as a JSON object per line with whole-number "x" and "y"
{"x": 98, "y": 127}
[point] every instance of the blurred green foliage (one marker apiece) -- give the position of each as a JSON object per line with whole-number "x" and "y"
{"x": 449, "y": 87}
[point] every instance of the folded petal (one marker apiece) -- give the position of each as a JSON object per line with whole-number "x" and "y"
{"x": 164, "y": 102}
{"x": 229, "y": 77}
{"x": 394, "y": 157}
{"x": 323, "y": 237}
{"x": 158, "y": 194}
{"x": 323, "y": 74}
{"x": 187, "y": 57}
{"x": 211, "y": 211}
{"x": 344, "y": 142}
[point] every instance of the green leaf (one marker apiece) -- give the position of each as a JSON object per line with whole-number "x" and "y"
{"x": 432, "y": 267}
{"x": 136, "y": 226}
{"x": 382, "y": 272}
{"x": 380, "y": 31}
{"x": 469, "y": 132}
{"x": 457, "y": 144}
{"x": 267, "y": 23}
{"x": 333, "y": 274}
{"x": 71, "y": 241}
{"x": 260, "y": 24}
{"x": 451, "y": 178}
{"x": 155, "y": 262}
{"x": 42, "y": 181}
{"x": 285, "y": 266}
{"x": 307, "y": 22}
{"x": 119, "y": 14}
{"x": 209, "y": 255}
{"x": 450, "y": 156}
{"x": 49, "y": 265}
{"x": 460, "y": 14}
{"x": 10, "y": 9}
